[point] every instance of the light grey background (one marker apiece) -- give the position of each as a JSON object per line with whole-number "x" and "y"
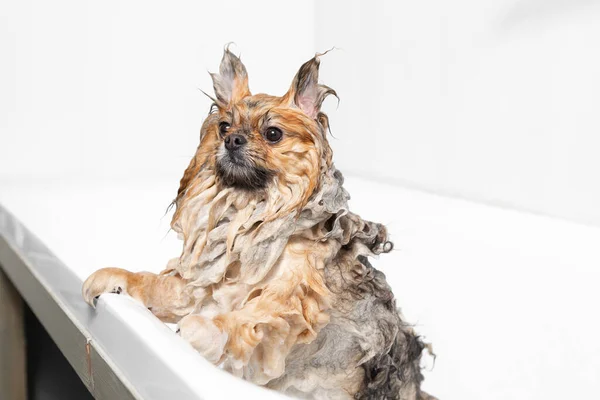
{"x": 487, "y": 100}
{"x": 492, "y": 100}
{"x": 495, "y": 101}
{"x": 111, "y": 89}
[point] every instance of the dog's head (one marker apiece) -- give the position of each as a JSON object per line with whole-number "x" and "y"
{"x": 260, "y": 143}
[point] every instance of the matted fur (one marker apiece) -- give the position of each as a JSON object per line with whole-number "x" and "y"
{"x": 274, "y": 281}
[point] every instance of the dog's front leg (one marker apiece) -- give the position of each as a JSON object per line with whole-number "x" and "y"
{"x": 253, "y": 350}
{"x": 254, "y": 341}
{"x": 166, "y": 295}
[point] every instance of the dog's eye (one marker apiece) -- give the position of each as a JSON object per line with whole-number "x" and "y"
{"x": 224, "y": 128}
{"x": 273, "y": 135}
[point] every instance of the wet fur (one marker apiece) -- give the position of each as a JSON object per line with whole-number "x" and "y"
{"x": 274, "y": 281}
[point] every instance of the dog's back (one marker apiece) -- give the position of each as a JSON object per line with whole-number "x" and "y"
{"x": 366, "y": 351}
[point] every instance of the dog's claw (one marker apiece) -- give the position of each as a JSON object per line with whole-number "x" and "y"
{"x": 107, "y": 280}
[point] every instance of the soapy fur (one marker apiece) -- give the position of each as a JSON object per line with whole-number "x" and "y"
{"x": 275, "y": 283}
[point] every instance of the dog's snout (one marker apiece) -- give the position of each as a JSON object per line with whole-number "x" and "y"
{"x": 235, "y": 141}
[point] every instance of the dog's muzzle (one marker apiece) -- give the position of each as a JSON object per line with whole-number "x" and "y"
{"x": 235, "y": 167}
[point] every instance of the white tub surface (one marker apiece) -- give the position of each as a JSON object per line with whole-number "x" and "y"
{"x": 506, "y": 298}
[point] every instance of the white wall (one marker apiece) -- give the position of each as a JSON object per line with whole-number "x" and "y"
{"x": 110, "y": 88}
{"x": 493, "y": 100}
{"x": 489, "y": 100}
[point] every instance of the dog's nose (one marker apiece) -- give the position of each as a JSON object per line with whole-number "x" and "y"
{"x": 234, "y": 141}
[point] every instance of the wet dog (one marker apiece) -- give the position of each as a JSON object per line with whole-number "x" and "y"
{"x": 274, "y": 281}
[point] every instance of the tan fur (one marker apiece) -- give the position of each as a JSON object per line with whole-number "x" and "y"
{"x": 263, "y": 313}
{"x": 253, "y": 280}
{"x": 167, "y": 296}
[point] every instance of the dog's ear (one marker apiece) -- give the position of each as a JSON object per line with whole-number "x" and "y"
{"x": 231, "y": 83}
{"x": 306, "y": 93}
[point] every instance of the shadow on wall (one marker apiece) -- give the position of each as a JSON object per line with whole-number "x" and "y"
{"x": 490, "y": 100}
{"x": 524, "y": 11}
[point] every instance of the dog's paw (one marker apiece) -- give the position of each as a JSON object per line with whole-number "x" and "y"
{"x": 106, "y": 280}
{"x": 206, "y": 337}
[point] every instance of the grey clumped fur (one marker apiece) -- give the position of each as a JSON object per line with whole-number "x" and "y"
{"x": 273, "y": 282}
{"x": 366, "y": 342}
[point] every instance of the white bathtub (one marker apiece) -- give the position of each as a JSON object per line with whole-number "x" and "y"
{"x": 506, "y": 298}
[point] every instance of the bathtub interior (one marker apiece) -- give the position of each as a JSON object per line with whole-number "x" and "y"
{"x": 499, "y": 294}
